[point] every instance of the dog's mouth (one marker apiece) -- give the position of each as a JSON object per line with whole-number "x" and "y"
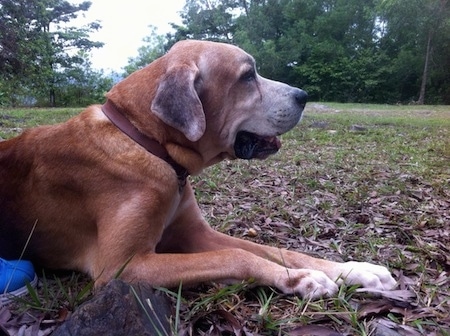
{"x": 252, "y": 146}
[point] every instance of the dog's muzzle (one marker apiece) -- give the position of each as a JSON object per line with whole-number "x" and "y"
{"x": 250, "y": 145}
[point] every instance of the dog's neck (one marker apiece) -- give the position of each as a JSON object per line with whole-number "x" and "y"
{"x": 151, "y": 145}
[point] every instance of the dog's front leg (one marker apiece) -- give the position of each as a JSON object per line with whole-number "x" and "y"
{"x": 172, "y": 269}
{"x": 190, "y": 233}
{"x": 352, "y": 273}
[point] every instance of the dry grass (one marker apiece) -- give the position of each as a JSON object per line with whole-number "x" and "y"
{"x": 352, "y": 182}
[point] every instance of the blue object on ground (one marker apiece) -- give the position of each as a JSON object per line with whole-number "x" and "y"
{"x": 14, "y": 275}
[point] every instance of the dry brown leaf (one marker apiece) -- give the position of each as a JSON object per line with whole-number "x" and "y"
{"x": 397, "y": 295}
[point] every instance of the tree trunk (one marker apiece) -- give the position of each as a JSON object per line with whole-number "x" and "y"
{"x": 52, "y": 97}
{"x": 438, "y": 13}
{"x": 244, "y": 4}
{"x": 423, "y": 86}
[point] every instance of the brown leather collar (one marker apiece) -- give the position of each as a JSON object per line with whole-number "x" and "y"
{"x": 151, "y": 145}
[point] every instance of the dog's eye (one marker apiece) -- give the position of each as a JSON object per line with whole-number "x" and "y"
{"x": 248, "y": 76}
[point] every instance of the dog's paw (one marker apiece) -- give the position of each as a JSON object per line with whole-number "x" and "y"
{"x": 365, "y": 274}
{"x": 309, "y": 284}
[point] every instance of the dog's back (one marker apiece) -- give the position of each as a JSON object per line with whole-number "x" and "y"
{"x": 40, "y": 189}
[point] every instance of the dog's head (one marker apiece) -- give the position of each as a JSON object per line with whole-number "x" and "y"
{"x": 212, "y": 94}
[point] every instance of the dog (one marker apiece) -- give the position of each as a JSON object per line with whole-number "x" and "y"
{"x": 107, "y": 190}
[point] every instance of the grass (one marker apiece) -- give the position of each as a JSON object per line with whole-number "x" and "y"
{"x": 352, "y": 182}
{"x": 13, "y": 121}
{"x": 57, "y": 292}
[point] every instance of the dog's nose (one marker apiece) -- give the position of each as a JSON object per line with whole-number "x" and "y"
{"x": 301, "y": 97}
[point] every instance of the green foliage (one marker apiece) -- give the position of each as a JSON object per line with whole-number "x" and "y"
{"x": 381, "y": 51}
{"x": 153, "y": 48}
{"x": 207, "y": 19}
{"x": 38, "y": 51}
{"x": 420, "y": 30}
{"x": 56, "y": 293}
{"x": 339, "y": 50}
{"x": 80, "y": 85}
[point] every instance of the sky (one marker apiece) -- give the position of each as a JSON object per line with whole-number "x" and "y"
{"x": 124, "y": 25}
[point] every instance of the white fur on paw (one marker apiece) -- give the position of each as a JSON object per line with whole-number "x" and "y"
{"x": 309, "y": 284}
{"x": 365, "y": 274}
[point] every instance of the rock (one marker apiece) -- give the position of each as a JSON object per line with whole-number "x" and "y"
{"x": 115, "y": 310}
{"x": 319, "y": 124}
{"x": 358, "y": 128}
{"x": 252, "y": 233}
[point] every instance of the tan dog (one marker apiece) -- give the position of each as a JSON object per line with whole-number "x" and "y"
{"x": 98, "y": 191}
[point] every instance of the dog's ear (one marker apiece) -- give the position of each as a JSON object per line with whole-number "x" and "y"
{"x": 177, "y": 102}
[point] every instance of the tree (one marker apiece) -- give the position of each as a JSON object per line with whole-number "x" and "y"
{"x": 37, "y": 45}
{"x": 437, "y": 13}
{"x": 341, "y": 58}
{"x": 207, "y": 20}
{"x": 386, "y": 51}
{"x": 80, "y": 85}
{"x": 417, "y": 25}
{"x": 312, "y": 44}
{"x": 153, "y": 48}
{"x": 17, "y": 47}
{"x": 258, "y": 30}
